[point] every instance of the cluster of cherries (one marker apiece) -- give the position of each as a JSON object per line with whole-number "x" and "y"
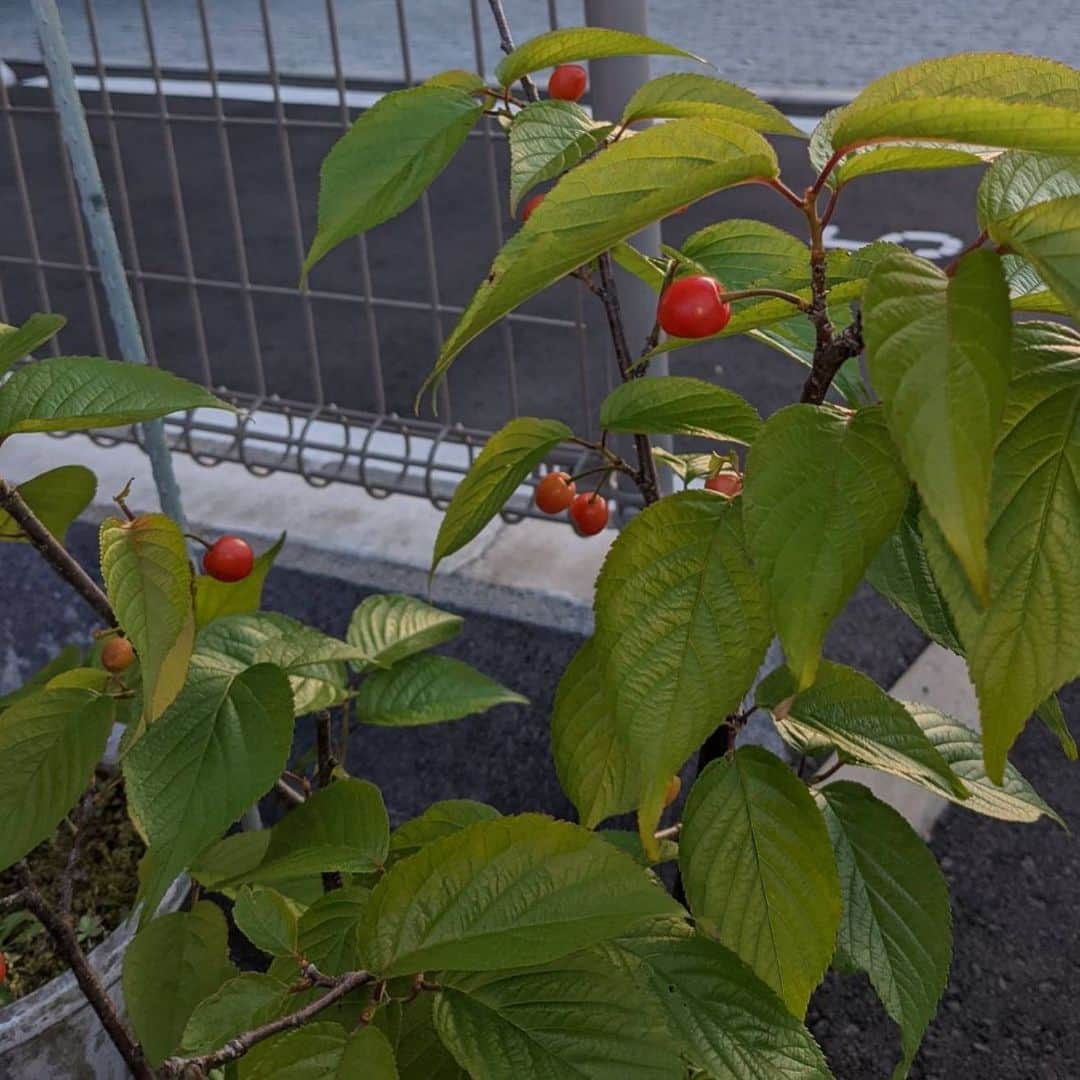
{"x": 228, "y": 559}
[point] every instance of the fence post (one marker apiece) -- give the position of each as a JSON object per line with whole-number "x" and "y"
{"x": 99, "y": 224}
{"x": 612, "y": 81}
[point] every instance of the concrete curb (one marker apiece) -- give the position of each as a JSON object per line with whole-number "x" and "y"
{"x": 534, "y": 572}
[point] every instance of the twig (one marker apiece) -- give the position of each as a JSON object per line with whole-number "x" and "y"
{"x": 289, "y": 793}
{"x": 654, "y": 334}
{"x": 778, "y": 185}
{"x": 506, "y": 43}
{"x": 67, "y": 945}
{"x": 324, "y": 774}
{"x": 67, "y": 880}
{"x": 973, "y": 246}
{"x": 237, "y": 1047}
{"x": 826, "y": 773}
{"x": 669, "y": 833}
{"x": 55, "y": 554}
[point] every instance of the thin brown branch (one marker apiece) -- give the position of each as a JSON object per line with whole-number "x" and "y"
{"x": 54, "y": 553}
{"x": 237, "y": 1047}
{"x": 836, "y": 766}
{"x": 324, "y": 775}
{"x": 779, "y": 186}
{"x": 506, "y": 43}
{"x": 973, "y": 246}
{"x": 67, "y": 879}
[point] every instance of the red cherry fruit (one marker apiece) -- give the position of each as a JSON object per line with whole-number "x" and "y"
{"x": 555, "y": 492}
{"x": 118, "y": 655}
{"x": 589, "y": 513}
{"x": 568, "y": 82}
{"x": 229, "y": 559}
{"x": 530, "y": 206}
{"x": 727, "y": 482}
{"x": 3, "y": 967}
{"x": 694, "y": 307}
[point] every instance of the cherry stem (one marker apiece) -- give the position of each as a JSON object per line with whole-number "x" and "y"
{"x": 780, "y": 294}
{"x": 778, "y": 185}
{"x": 121, "y": 500}
{"x": 973, "y": 246}
{"x": 590, "y": 472}
{"x": 199, "y": 540}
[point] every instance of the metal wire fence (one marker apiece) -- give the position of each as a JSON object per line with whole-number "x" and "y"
{"x": 212, "y": 179}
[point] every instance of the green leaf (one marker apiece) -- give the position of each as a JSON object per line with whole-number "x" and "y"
{"x": 504, "y": 893}
{"x": 1014, "y": 800}
{"x": 579, "y": 43}
{"x": 344, "y": 827}
{"x": 267, "y": 920}
{"x": 50, "y": 743}
{"x": 57, "y": 497}
{"x": 507, "y": 458}
{"x": 69, "y": 658}
{"x": 607, "y": 199}
{"x": 148, "y": 580}
{"x": 439, "y": 820}
{"x": 980, "y": 99}
{"x": 546, "y": 139}
{"x": 901, "y": 573}
{"x": 686, "y": 94}
{"x": 232, "y": 857}
{"x": 824, "y": 491}
{"x": 1017, "y": 181}
{"x": 1049, "y": 712}
{"x": 19, "y": 341}
{"x": 329, "y": 930}
{"x": 897, "y": 924}
{"x": 576, "y": 1017}
{"x": 728, "y": 1022}
{"x": 758, "y": 871}
{"x": 688, "y": 467}
{"x": 682, "y": 621}
{"x": 314, "y": 662}
{"x": 1022, "y": 646}
{"x": 1028, "y": 291}
{"x": 214, "y": 752}
{"x": 645, "y": 268}
{"x": 73, "y": 393}
{"x": 214, "y": 599}
{"x": 848, "y": 710}
{"x": 677, "y": 405}
{"x": 428, "y": 689}
{"x": 389, "y": 627}
{"x": 468, "y": 81}
{"x": 630, "y": 842}
{"x": 741, "y": 252}
{"x": 171, "y": 965}
{"x": 595, "y": 768}
{"x": 248, "y": 1001}
{"x": 386, "y": 160}
{"x": 939, "y": 356}
{"x": 321, "y": 1051}
{"x": 421, "y": 1054}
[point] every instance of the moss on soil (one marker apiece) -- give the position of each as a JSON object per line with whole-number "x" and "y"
{"x": 105, "y": 885}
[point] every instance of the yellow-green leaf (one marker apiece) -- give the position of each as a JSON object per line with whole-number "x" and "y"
{"x": 57, "y": 497}
{"x": 19, "y": 341}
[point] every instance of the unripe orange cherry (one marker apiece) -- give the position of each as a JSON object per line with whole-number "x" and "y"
{"x": 589, "y": 512}
{"x": 530, "y": 206}
{"x": 555, "y": 492}
{"x": 229, "y": 559}
{"x": 568, "y": 82}
{"x": 674, "y": 786}
{"x": 118, "y": 655}
{"x": 693, "y": 307}
{"x": 726, "y": 482}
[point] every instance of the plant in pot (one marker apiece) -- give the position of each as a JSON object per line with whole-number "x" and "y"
{"x": 934, "y": 451}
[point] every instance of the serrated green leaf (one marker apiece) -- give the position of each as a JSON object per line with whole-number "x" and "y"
{"x": 321, "y": 1051}
{"x": 458, "y": 78}
{"x": 215, "y": 751}
{"x": 171, "y": 965}
{"x": 438, "y": 820}
{"x": 73, "y": 393}
{"x": 981, "y": 99}
{"x": 344, "y": 827}
{"x": 1014, "y": 800}
{"x": 901, "y": 573}
{"x": 1018, "y": 180}
{"x": 897, "y": 924}
{"x": 678, "y": 405}
{"x": 740, "y": 252}
{"x": 389, "y": 627}
{"x": 147, "y": 576}
{"x": 421, "y": 1054}
{"x": 823, "y": 492}
{"x": 729, "y": 1023}
{"x": 579, "y": 43}
{"x": 684, "y": 94}
{"x": 645, "y": 268}
{"x": 576, "y": 1017}
{"x": 232, "y": 857}
{"x": 386, "y": 160}
{"x": 19, "y": 341}
{"x": 248, "y": 1001}
{"x": 1049, "y": 712}
{"x": 57, "y": 498}
{"x": 682, "y": 621}
{"x": 546, "y": 139}
{"x": 50, "y": 743}
{"x": 507, "y": 458}
{"x": 848, "y": 710}
{"x": 758, "y": 871}
{"x": 329, "y": 930}
{"x": 594, "y": 766}
{"x": 504, "y": 893}
{"x": 1028, "y": 291}
{"x": 939, "y": 354}
{"x": 214, "y": 599}
{"x": 1022, "y": 646}
{"x": 267, "y": 920}
{"x": 428, "y": 689}
{"x": 314, "y": 662}
{"x": 605, "y": 200}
